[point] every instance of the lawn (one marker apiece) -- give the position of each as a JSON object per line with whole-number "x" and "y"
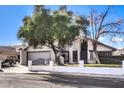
{"x": 95, "y": 65}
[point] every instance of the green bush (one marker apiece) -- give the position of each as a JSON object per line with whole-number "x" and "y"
{"x": 110, "y": 61}
{"x": 103, "y": 65}
{"x": 118, "y": 57}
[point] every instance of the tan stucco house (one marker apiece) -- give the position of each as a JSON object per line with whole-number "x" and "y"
{"x": 119, "y": 52}
{"x": 80, "y": 50}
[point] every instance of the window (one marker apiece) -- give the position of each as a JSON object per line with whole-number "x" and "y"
{"x": 105, "y": 53}
{"x": 75, "y": 56}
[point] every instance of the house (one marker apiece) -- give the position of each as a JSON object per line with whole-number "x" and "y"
{"x": 80, "y": 50}
{"x": 18, "y": 48}
{"x": 7, "y": 52}
{"x": 119, "y": 52}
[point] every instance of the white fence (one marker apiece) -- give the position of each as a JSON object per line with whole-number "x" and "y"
{"x": 79, "y": 69}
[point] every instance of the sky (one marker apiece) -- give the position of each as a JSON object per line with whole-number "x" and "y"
{"x": 11, "y": 19}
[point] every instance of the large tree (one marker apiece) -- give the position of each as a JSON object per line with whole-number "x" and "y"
{"x": 55, "y": 29}
{"x": 102, "y": 25}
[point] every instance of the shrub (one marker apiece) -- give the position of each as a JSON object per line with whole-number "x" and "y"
{"x": 110, "y": 61}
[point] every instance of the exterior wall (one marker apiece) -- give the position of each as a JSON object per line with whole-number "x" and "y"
{"x": 38, "y": 49}
{"x": 118, "y": 52}
{"x": 99, "y": 48}
{"x": 23, "y": 57}
{"x": 43, "y": 49}
{"x": 75, "y": 47}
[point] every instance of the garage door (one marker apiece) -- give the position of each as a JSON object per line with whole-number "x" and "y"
{"x": 36, "y": 55}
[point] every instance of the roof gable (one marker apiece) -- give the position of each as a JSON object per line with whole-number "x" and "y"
{"x": 100, "y": 43}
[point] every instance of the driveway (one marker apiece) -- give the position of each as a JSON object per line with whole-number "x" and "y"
{"x": 16, "y": 69}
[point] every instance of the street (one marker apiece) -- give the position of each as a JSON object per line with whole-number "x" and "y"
{"x": 35, "y": 80}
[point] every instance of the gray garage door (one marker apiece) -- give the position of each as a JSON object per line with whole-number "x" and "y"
{"x": 40, "y": 54}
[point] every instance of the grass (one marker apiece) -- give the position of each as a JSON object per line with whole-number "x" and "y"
{"x": 95, "y": 65}
{"x": 103, "y": 65}
{"x": 90, "y": 65}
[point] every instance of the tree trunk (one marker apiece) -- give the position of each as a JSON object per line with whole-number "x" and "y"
{"x": 57, "y": 59}
{"x": 96, "y": 57}
{"x": 57, "y": 55}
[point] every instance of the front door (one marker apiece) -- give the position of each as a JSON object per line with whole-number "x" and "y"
{"x": 75, "y": 56}
{"x": 65, "y": 54}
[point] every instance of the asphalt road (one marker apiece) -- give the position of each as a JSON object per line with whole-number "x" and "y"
{"x": 32, "y": 80}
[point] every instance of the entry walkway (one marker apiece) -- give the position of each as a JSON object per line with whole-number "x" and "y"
{"x": 19, "y": 69}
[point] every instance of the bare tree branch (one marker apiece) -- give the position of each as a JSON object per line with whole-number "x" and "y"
{"x": 103, "y": 18}
{"x": 101, "y": 27}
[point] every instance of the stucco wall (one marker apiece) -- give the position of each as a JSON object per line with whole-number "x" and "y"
{"x": 119, "y": 52}
{"x": 23, "y": 57}
{"x": 45, "y": 48}
{"x": 75, "y": 47}
{"x": 99, "y": 48}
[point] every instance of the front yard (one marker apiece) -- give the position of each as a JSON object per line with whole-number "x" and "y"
{"x": 95, "y": 65}
{"x": 89, "y": 65}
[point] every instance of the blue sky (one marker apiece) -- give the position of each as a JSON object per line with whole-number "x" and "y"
{"x": 11, "y": 19}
